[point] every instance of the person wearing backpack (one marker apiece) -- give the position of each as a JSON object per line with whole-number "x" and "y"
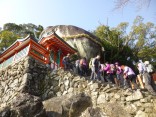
{"x": 100, "y": 75}
{"x": 147, "y": 80}
{"x": 149, "y": 67}
{"x": 95, "y": 67}
{"x": 150, "y": 70}
{"x": 66, "y": 61}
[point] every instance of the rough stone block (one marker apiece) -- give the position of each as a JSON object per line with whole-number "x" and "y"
{"x": 135, "y": 96}
{"x": 141, "y": 114}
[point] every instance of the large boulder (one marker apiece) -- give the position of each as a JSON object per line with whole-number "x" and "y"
{"x": 67, "y": 106}
{"x": 93, "y": 112}
{"x": 87, "y": 44}
{"x": 24, "y": 105}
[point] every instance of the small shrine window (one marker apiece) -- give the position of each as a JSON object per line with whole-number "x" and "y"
{"x": 21, "y": 54}
{"x": 8, "y": 62}
{"x": 37, "y": 53}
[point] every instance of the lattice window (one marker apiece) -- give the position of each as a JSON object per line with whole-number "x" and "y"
{"x": 15, "y": 57}
{"x": 21, "y": 54}
{"x": 7, "y": 62}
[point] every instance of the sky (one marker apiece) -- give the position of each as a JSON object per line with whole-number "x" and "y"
{"x": 86, "y": 14}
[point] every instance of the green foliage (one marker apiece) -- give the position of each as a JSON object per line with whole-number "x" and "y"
{"x": 12, "y": 27}
{"x": 7, "y": 38}
{"x": 12, "y": 31}
{"x": 144, "y": 39}
{"x": 23, "y": 30}
{"x": 113, "y": 44}
{"x": 138, "y": 43}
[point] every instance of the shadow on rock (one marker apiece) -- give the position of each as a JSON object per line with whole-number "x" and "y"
{"x": 24, "y": 105}
{"x": 67, "y": 106}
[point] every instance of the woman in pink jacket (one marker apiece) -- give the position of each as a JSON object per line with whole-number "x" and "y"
{"x": 109, "y": 73}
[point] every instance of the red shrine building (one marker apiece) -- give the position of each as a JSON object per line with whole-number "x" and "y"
{"x": 49, "y": 49}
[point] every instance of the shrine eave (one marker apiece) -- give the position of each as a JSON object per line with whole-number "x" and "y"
{"x": 54, "y": 40}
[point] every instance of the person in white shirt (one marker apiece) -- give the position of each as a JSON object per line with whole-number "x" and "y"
{"x": 147, "y": 80}
{"x": 129, "y": 76}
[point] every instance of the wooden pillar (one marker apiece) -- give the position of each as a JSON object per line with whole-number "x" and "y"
{"x": 55, "y": 57}
{"x": 61, "y": 58}
{"x": 46, "y": 58}
{"x": 47, "y": 55}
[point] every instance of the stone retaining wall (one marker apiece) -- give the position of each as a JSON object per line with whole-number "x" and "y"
{"x": 25, "y": 76}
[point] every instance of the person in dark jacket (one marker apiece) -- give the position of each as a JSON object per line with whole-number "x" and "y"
{"x": 95, "y": 67}
{"x": 66, "y": 61}
{"x": 83, "y": 66}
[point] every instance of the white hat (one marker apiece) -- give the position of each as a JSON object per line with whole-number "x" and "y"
{"x": 146, "y": 62}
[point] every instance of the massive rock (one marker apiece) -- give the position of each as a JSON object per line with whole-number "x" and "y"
{"x": 66, "y": 106}
{"x": 24, "y": 105}
{"x": 83, "y": 41}
{"x": 93, "y": 112}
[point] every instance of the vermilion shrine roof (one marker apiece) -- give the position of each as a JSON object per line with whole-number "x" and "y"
{"x": 56, "y": 43}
